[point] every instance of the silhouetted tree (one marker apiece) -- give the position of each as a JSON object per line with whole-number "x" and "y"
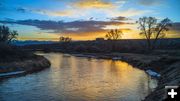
{"x": 114, "y": 34}
{"x": 152, "y": 29}
{"x": 6, "y": 35}
{"x": 12, "y": 36}
{"x": 64, "y": 39}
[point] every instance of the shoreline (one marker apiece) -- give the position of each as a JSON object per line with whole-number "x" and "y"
{"x": 27, "y": 66}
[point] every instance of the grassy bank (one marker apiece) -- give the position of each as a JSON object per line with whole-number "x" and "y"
{"x": 14, "y": 62}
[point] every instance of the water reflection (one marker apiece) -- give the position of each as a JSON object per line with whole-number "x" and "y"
{"x": 79, "y": 79}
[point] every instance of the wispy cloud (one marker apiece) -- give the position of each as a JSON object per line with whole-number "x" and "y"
{"x": 93, "y": 4}
{"x": 150, "y": 2}
{"x": 53, "y": 13}
{"x": 46, "y": 12}
{"x": 134, "y": 12}
{"x": 128, "y": 13}
{"x": 119, "y": 18}
{"x": 22, "y": 10}
{"x": 176, "y": 26}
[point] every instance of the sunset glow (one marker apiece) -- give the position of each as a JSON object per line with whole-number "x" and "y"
{"x": 84, "y": 19}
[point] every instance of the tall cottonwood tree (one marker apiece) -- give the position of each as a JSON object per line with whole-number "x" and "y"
{"x": 152, "y": 29}
{"x": 114, "y": 34}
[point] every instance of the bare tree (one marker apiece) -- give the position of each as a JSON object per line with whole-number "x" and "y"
{"x": 64, "y": 39}
{"x": 6, "y": 35}
{"x": 161, "y": 30}
{"x": 12, "y": 36}
{"x": 114, "y": 34}
{"x": 152, "y": 29}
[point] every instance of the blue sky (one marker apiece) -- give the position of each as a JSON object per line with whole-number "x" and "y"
{"x": 82, "y": 10}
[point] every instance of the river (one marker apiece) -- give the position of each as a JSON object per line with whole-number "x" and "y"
{"x": 73, "y": 78}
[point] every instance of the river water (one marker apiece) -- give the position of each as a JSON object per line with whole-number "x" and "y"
{"x": 73, "y": 78}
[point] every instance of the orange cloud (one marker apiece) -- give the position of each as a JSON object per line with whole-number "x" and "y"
{"x": 93, "y": 4}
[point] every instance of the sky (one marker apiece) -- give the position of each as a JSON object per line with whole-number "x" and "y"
{"x": 84, "y": 19}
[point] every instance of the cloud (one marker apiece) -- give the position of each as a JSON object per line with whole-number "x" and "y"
{"x": 76, "y": 27}
{"x": 150, "y": 2}
{"x": 53, "y": 13}
{"x": 120, "y": 18}
{"x": 22, "y": 10}
{"x": 128, "y": 13}
{"x": 133, "y": 12}
{"x": 45, "y": 12}
{"x": 93, "y": 4}
{"x": 176, "y": 26}
{"x": 87, "y": 8}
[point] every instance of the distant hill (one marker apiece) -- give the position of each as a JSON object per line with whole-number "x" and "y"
{"x": 30, "y": 42}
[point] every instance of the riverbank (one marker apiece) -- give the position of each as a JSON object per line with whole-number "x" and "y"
{"x": 15, "y": 61}
{"x": 25, "y": 66}
{"x": 167, "y": 66}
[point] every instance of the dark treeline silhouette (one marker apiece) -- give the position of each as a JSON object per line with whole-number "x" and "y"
{"x": 105, "y": 46}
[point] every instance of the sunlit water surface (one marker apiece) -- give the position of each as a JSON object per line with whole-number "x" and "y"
{"x": 73, "y": 78}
